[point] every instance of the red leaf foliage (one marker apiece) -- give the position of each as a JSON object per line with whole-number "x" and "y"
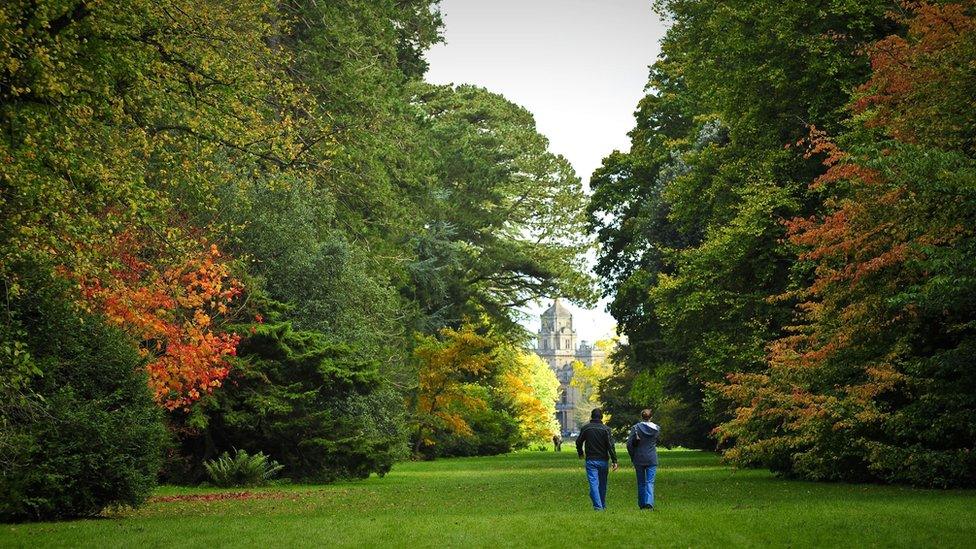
{"x": 174, "y": 313}
{"x": 910, "y": 92}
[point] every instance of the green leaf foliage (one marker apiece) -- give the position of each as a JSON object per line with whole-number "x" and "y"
{"x": 690, "y": 220}
{"x": 241, "y": 469}
{"x": 805, "y": 305}
{"x": 312, "y": 405}
{"x": 505, "y": 218}
{"x": 83, "y": 434}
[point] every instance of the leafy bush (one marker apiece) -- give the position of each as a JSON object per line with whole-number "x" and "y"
{"x": 493, "y": 432}
{"x": 241, "y": 469}
{"x": 80, "y": 431}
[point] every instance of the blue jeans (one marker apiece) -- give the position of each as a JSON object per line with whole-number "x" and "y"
{"x": 596, "y": 473}
{"x": 645, "y": 485}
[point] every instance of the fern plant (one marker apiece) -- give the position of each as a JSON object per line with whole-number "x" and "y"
{"x": 241, "y": 469}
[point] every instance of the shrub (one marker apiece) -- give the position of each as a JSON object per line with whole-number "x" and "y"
{"x": 80, "y": 432}
{"x": 493, "y": 431}
{"x": 314, "y": 405}
{"x": 241, "y": 469}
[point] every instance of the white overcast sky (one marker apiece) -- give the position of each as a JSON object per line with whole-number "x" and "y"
{"x": 579, "y": 66}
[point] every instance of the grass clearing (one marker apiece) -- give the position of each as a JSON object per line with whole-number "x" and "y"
{"x": 532, "y": 499}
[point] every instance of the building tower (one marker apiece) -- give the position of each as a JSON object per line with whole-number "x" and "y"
{"x": 557, "y": 346}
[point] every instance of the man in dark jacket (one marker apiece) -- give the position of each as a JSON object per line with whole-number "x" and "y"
{"x": 642, "y": 447}
{"x": 595, "y": 436}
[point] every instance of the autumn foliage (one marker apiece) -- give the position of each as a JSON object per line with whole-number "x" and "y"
{"x": 175, "y": 312}
{"x": 478, "y": 393}
{"x": 920, "y": 88}
{"x": 447, "y": 367}
{"x": 875, "y": 381}
{"x": 531, "y": 389}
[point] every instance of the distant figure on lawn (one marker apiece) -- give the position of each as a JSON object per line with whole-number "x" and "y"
{"x": 642, "y": 447}
{"x": 557, "y": 443}
{"x": 595, "y": 437}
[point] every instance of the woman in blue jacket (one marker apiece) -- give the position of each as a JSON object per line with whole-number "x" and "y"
{"x": 642, "y": 447}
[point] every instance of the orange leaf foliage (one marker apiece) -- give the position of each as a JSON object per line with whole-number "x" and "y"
{"x": 173, "y": 312}
{"x": 911, "y": 75}
{"x": 444, "y": 367}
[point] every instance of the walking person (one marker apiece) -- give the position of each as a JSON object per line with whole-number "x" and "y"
{"x": 596, "y": 444}
{"x": 557, "y": 442}
{"x": 642, "y": 447}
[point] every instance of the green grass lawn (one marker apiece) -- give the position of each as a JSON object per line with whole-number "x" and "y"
{"x": 535, "y": 499}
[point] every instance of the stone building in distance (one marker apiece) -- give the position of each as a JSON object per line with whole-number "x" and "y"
{"x": 557, "y": 345}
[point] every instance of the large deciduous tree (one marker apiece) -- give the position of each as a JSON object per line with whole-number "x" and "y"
{"x": 876, "y": 381}
{"x": 505, "y": 215}
{"x": 119, "y": 125}
{"x": 837, "y": 344}
{"x": 689, "y": 219}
